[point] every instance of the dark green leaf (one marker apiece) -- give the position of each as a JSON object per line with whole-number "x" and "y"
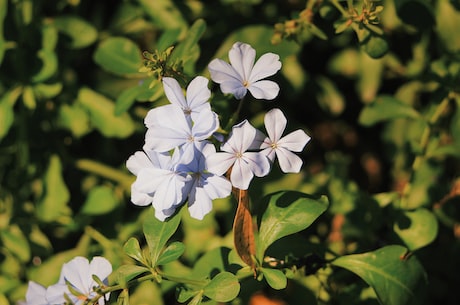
{"x": 119, "y": 55}
{"x": 385, "y": 108}
{"x": 375, "y": 45}
{"x": 394, "y": 275}
{"x": 157, "y": 233}
{"x": 46, "y": 91}
{"x": 75, "y": 119}
{"x": 6, "y": 110}
{"x": 80, "y": 32}
{"x": 28, "y": 98}
{"x": 100, "y": 200}
{"x": 102, "y": 114}
{"x": 3, "y": 11}
{"x": 172, "y": 252}
{"x": 416, "y": 228}
{"x": 287, "y": 213}
{"x": 447, "y": 25}
{"x": 275, "y": 278}
{"x": 224, "y": 287}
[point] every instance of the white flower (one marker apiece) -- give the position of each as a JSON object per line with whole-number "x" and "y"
{"x": 168, "y": 127}
{"x": 283, "y": 147}
{"x": 234, "y": 154}
{"x": 36, "y": 294}
{"x": 243, "y": 74}
{"x": 158, "y": 182}
{"x": 196, "y": 98}
{"x": 204, "y": 186}
{"x": 78, "y": 273}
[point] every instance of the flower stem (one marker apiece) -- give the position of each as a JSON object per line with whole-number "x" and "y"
{"x": 235, "y": 115}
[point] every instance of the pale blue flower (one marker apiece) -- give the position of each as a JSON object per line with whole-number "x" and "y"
{"x": 196, "y": 98}
{"x": 283, "y": 147}
{"x": 158, "y": 182}
{"x": 204, "y": 186}
{"x": 242, "y": 74}
{"x": 234, "y": 154}
{"x": 79, "y": 274}
{"x": 36, "y": 294}
{"x": 168, "y": 128}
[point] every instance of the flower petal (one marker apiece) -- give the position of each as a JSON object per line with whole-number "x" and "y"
{"x": 219, "y": 163}
{"x": 275, "y": 123}
{"x": 288, "y": 161}
{"x": 267, "y": 65}
{"x": 140, "y": 198}
{"x": 200, "y": 204}
{"x": 174, "y": 93}
{"x": 150, "y": 179}
{"x": 242, "y": 57}
{"x": 205, "y": 125}
{"x": 234, "y": 87}
{"x": 198, "y": 92}
{"x": 77, "y": 273}
{"x": 264, "y": 89}
{"x": 100, "y": 267}
{"x": 217, "y": 186}
{"x": 221, "y": 72}
{"x": 55, "y": 294}
{"x": 138, "y": 161}
{"x": 258, "y": 163}
{"x": 241, "y": 138}
{"x": 295, "y": 141}
{"x": 35, "y": 294}
{"x": 241, "y": 175}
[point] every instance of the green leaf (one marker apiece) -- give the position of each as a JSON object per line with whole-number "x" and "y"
{"x": 119, "y": 55}
{"x": 49, "y": 66}
{"x": 385, "y": 108}
{"x": 157, "y": 233}
{"x": 275, "y": 278}
{"x": 80, "y": 32}
{"x": 6, "y": 117}
{"x": 28, "y": 98}
{"x": 287, "y": 213}
{"x": 447, "y": 25}
{"x": 376, "y": 46}
{"x": 54, "y": 203}
{"x": 75, "y": 119}
{"x": 133, "y": 250}
{"x": 224, "y": 287}
{"x": 15, "y": 242}
{"x": 101, "y": 200}
{"x": 394, "y": 275}
{"x": 172, "y": 252}
{"x": 125, "y": 273}
{"x": 142, "y": 92}
{"x": 101, "y": 110}
{"x": 46, "y": 91}
{"x": 164, "y": 13}
{"x": 416, "y": 228}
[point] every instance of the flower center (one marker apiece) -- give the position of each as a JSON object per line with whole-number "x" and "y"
{"x": 238, "y": 155}
{"x": 187, "y": 111}
{"x": 274, "y": 145}
{"x": 245, "y": 84}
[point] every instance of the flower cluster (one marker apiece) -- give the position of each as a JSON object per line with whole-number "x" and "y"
{"x": 76, "y": 284}
{"x": 180, "y": 164}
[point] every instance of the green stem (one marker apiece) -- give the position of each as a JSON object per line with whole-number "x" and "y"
{"x": 182, "y": 280}
{"x": 235, "y": 115}
{"x": 424, "y": 141}
{"x": 340, "y": 8}
{"x": 105, "y": 171}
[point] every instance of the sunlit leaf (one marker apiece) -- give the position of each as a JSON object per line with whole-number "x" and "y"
{"x": 101, "y": 200}
{"x": 172, "y": 252}
{"x": 395, "y": 275}
{"x": 102, "y": 114}
{"x": 416, "y": 228}
{"x": 13, "y": 240}
{"x": 133, "y": 250}
{"x": 287, "y": 213}
{"x": 56, "y": 195}
{"x": 119, "y": 55}
{"x": 157, "y": 233}
{"x": 125, "y": 273}
{"x": 385, "y": 108}
{"x": 28, "y": 98}
{"x": 164, "y": 13}
{"x": 45, "y": 91}
{"x": 6, "y": 117}
{"x": 275, "y": 278}
{"x": 224, "y": 287}
{"x": 75, "y": 119}
{"x": 146, "y": 293}
{"x": 80, "y": 32}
